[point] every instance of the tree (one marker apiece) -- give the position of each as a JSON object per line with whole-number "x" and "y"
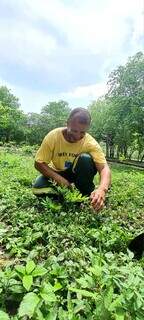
{"x": 126, "y": 90}
{"x": 12, "y": 119}
{"x": 8, "y": 99}
{"x": 119, "y": 118}
{"x": 97, "y": 110}
{"x": 54, "y": 115}
{"x": 34, "y": 128}
{"x": 128, "y": 80}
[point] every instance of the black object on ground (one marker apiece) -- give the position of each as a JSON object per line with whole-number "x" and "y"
{"x": 137, "y": 246}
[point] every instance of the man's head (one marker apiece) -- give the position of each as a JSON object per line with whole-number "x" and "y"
{"x": 77, "y": 124}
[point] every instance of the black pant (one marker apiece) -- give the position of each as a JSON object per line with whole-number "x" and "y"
{"x": 81, "y": 173}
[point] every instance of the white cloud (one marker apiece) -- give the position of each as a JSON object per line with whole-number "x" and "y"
{"x": 23, "y": 44}
{"x": 108, "y": 28}
{"x": 91, "y": 92}
{"x": 33, "y": 101}
{"x": 88, "y": 27}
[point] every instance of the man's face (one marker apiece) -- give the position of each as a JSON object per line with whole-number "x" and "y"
{"x": 76, "y": 130}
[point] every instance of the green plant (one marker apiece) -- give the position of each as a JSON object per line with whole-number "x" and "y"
{"x": 85, "y": 271}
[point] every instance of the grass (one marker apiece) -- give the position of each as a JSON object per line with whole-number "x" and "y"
{"x": 65, "y": 261}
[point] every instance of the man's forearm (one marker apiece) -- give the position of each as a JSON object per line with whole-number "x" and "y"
{"x": 98, "y": 196}
{"x": 105, "y": 179}
{"x": 43, "y": 168}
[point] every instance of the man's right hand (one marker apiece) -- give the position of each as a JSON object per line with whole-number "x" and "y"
{"x": 50, "y": 173}
{"x": 62, "y": 181}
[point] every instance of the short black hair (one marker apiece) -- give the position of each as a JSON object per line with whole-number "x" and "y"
{"x": 82, "y": 114}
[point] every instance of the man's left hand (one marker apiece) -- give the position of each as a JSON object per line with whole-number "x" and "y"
{"x": 97, "y": 198}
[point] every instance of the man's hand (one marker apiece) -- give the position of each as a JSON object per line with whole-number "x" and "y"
{"x": 50, "y": 173}
{"x": 97, "y": 198}
{"x": 62, "y": 181}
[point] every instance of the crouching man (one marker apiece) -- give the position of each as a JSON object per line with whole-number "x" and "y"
{"x": 70, "y": 155}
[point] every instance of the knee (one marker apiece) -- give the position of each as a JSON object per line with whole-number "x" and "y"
{"x": 40, "y": 182}
{"x": 85, "y": 157}
{"x": 85, "y": 162}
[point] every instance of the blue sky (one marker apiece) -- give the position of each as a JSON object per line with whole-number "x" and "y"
{"x": 62, "y": 49}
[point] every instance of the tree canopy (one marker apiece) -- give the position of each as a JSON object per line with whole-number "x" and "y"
{"x": 117, "y": 117}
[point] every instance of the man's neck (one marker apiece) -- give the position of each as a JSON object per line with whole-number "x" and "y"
{"x": 67, "y": 136}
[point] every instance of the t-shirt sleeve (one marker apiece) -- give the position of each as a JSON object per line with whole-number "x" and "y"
{"x": 45, "y": 152}
{"x": 96, "y": 151}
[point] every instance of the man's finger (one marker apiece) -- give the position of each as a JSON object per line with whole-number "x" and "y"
{"x": 97, "y": 199}
{"x": 98, "y": 205}
{"x": 94, "y": 198}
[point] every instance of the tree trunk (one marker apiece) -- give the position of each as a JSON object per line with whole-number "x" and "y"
{"x": 118, "y": 152}
{"x": 112, "y": 151}
{"x": 142, "y": 158}
{"x": 107, "y": 149}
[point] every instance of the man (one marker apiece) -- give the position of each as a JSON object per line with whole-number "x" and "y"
{"x": 71, "y": 155}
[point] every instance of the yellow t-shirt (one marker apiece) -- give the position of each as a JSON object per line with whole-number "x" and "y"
{"x": 59, "y": 153}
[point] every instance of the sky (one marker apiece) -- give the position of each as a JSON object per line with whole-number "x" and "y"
{"x": 54, "y": 50}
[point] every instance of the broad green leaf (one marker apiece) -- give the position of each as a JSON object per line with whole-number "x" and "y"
{"x": 62, "y": 314}
{"x": 108, "y": 297}
{"x": 116, "y": 304}
{"x": 39, "y": 271}
{"x": 120, "y": 314}
{"x": 20, "y": 269}
{"x": 4, "y": 315}
{"x": 57, "y": 286}
{"x": 1, "y": 274}
{"x": 28, "y": 305}
{"x": 96, "y": 270}
{"x": 48, "y": 297}
{"x": 47, "y": 288}
{"x": 80, "y": 306}
{"x": 27, "y": 282}
{"x": 30, "y": 266}
{"x": 17, "y": 288}
{"x": 52, "y": 315}
{"x": 84, "y": 293}
{"x": 86, "y": 281}
{"x": 39, "y": 315}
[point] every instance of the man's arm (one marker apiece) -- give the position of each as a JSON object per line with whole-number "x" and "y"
{"x": 98, "y": 196}
{"x": 43, "y": 168}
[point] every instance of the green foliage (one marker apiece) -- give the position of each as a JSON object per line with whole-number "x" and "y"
{"x": 56, "y": 113}
{"x": 4, "y": 315}
{"x": 12, "y": 119}
{"x": 59, "y": 259}
{"x": 28, "y": 305}
{"x": 118, "y": 119}
{"x": 53, "y": 115}
{"x": 32, "y": 127}
{"x": 128, "y": 80}
{"x": 8, "y": 99}
{"x": 114, "y": 291}
{"x": 26, "y": 274}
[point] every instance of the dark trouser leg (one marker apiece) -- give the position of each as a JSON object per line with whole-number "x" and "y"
{"x": 84, "y": 172}
{"x": 43, "y": 186}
